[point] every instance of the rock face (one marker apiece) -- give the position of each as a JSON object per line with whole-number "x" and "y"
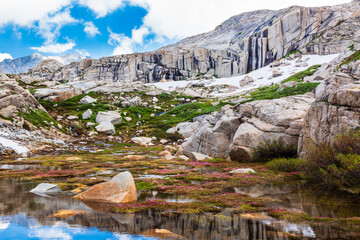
{"x": 336, "y": 109}
{"x": 120, "y": 189}
{"x": 236, "y": 132}
{"x": 239, "y": 45}
{"x": 15, "y": 98}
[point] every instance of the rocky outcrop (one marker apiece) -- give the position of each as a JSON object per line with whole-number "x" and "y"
{"x": 337, "y": 107}
{"x": 239, "y": 45}
{"x": 120, "y": 189}
{"x": 236, "y": 132}
{"x": 14, "y": 98}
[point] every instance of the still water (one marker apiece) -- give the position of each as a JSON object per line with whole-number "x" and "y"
{"x": 24, "y": 215}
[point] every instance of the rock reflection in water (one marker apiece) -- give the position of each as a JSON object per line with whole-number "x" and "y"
{"x": 310, "y": 200}
{"x": 15, "y": 201}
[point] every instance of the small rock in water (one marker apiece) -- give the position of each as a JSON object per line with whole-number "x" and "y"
{"x": 46, "y": 188}
{"x": 243, "y": 170}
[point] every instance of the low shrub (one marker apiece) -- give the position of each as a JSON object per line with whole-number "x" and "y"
{"x": 287, "y": 165}
{"x": 273, "y": 149}
{"x": 336, "y": 166}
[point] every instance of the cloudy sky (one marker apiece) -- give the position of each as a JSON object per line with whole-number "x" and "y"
{"x": 100, "y": 28}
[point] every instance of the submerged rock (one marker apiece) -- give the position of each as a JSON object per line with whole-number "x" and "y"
{"x": 120, "y": 189}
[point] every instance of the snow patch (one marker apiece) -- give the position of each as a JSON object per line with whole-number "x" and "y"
{"x": 13, "y": 145}
{"x": 260, "y": 76}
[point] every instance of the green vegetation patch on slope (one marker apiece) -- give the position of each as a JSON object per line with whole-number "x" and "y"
{"x": 271, "y": 92}
{"x": 299, "y": 77}
{"x": 39, "y": 118}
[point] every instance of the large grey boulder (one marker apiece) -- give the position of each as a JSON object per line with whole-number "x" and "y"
{"x": 105, "y": 128}
{"x": 214, "y": 135}
{"x": 111, "y": 116}
{"x": 46, "y": 189}
{"x": 236, "y": 132}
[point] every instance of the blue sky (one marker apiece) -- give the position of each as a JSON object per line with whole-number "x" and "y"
{"x": 98, "y": 28}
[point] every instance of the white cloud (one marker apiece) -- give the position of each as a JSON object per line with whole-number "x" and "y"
{"x": 126, "y": 45}
{"x": 26, "y": 12}
{"x": 102, "y": 7}
{"x": 83, "y": 53}
{"x": 4, "y": 56}
{"x": 49, "y": 26}
{"x": 55, "y": 47}
{"x": 122, "y": 43}
{"x": 177, "y": 19}
{"x": 139, "y": 34}
{"x": 90, "y": 29}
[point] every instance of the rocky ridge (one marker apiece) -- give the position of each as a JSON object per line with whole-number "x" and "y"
{"x": 241, "y": 44}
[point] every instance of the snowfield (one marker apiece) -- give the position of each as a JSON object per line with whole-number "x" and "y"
{"x": 12, "y": 144}
{"x": 260, "y": 76}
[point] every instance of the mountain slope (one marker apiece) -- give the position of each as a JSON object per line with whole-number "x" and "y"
{"x": 23, "y": 64}
{"x": 241, "y": 44}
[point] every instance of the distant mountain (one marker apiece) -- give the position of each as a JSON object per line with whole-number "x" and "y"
{"x": 23, "y": 64}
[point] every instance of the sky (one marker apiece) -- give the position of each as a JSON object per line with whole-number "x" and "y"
{"x": 99, "y": 28}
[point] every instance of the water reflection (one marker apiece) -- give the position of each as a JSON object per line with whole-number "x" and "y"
{"x": 27, "y": 216}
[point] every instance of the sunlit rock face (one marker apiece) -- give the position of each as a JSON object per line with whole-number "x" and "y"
{"x": 336, "y": 110}
{"x": 241, "y": 44}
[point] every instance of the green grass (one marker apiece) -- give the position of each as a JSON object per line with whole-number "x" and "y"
{"x": 271, "y": 92}
{"x": 291, "y": 53}
{"x": 39, "y": 118}
{"x": 299, "y": 77}
{"x": 354, "y": 57}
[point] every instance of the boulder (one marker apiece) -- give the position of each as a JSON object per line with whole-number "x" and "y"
{"x": 106, "y": 128}
{"x": 276, "y": 73}
{"x": 46, "y": 189}
{"x": 111, "y": 116}
{"x": 87, "y": 100}
{"x": 236, "y": 134}
{"x": 290, "y": 84}
{"x": 247, "y": 80}
{"x": 71, "y": 117}
{"x": 199, "y": 156}
{"x": 143, "y": 141}
{"x": 8, "y": 112}
{"x": 120, "y": 189}
{"x": 87, "y": 114}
